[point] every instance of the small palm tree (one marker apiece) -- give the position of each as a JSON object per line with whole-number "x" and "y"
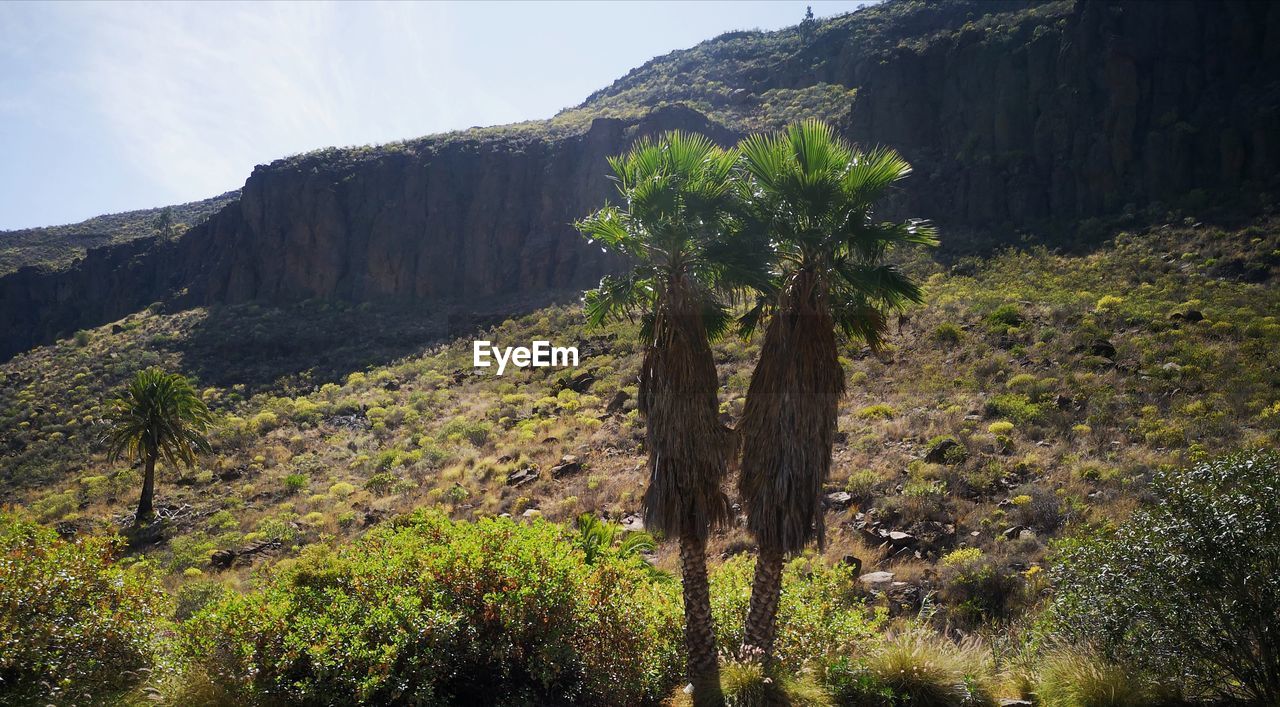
{"x": 810, "y": 195}
{"x": 596, "y": 537}
{"x": 158, "y": 416}
{"x": 677, "y": 192}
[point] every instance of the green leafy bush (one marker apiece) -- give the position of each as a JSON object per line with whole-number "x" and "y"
{"x": 1015, "y": 407}
{"x": 819, "y": 614}
{"x": 432, "y": 611}
{"x": 74, "y": 628}
{"x": 1188, "y": 588}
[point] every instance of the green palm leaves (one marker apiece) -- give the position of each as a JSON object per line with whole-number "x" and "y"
{"x": 785, "y": 221}
{"x": 674, "y": 226}
{"x": 158, "y": 416}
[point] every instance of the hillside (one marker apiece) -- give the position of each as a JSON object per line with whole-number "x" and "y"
{"x": 57, "y": 247}
{"x": 1052, "y": 384}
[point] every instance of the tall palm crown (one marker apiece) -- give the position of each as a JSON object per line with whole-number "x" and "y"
{"x": 672, "y": 228}
{"x": 811, "y": 195}
{"x": 158, "y": 416}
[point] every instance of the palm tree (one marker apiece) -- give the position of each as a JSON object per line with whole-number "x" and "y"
{"x": 811, "y": 195}
{"x": 597, "y": 538}
{"x": 158, "y": 416}
{"x": 677, "y": 192}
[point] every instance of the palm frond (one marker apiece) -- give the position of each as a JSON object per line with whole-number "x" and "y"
{"x": 158, "y": 416}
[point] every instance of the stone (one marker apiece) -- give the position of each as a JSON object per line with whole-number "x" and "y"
{"x": 901, "y": 539}
{"x": 1103, "y": 348}
{"x": 1018, "y": 532}
{"x": 568, "y": 466}
{"x": 875, "y": 580}
{"x": 579, "y": 383}
{"x": 839, "y": 500}
{"x": 633, "y": 523}
{"x": 946, "y": 451}
{"x": 522, "y": 476}
{"x": 617, "y": 402}
{"x": 222, "y": 559}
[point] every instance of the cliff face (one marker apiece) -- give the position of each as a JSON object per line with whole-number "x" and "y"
{"x": 1044, "y": 111}
{"x": 463, "y": 219}
{"x": 1085, "y": 112}
{"x": 458, "y": 220}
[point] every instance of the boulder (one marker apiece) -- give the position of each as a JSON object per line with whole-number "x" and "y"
{"x": 946, "y": 451}
{"x": 522, "y": 476}
{"x": 839, "y": 500}
{"x": 568, "y": 466}
{"x": 1103, "y": 348}
{"x": 876, "y": 580}
{"x": 617, "y": 402}
{"x": 579, "y": 383}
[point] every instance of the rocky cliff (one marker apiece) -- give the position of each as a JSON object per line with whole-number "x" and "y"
{"x": 1015, "y": 114}
{"x": 446, "y": 219}
{"x": 1080, "y": 110}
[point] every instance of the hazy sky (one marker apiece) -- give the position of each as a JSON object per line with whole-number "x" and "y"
{"x": 109, "y": 107}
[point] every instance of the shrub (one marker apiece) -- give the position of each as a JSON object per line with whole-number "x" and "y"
{"x": 948, "y": 334}
{"x": 474, "y": 431}
{"x": 295, "y": 482}
{"x": 879, "y": 411}
{"x": 1073, "y": 677}
{"x": 819, "y": 612}
{"x": 432, "y": 611}
{"x": 976, "y": 587}
{"x": 1211, "y": 539}
{"x": 74, "y": 627}
{"x": 1004, "y": 317}
{"x": 1015, "y": 407}
{"x": 922, "y": 669}
{"x": 748, "y": 684}
{"x": 1000, "y": 428}
{"x": 385, "y": 483}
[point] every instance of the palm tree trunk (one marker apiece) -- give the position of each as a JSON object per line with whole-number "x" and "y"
{"x": 762, "y": 616}
{"x": 145, "y": 510}
{"x": 699, "y": 629}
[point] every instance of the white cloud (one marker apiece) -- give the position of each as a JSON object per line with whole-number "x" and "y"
{"x": 196, "y": 94}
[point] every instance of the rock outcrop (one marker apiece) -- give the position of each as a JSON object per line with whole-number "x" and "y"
{"x": 1087, "y": 110}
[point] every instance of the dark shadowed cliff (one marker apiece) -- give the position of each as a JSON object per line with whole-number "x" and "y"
{"x": 1015, "y": 114}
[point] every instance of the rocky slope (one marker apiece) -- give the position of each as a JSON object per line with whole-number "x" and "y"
{"x": 1016, "y": 116}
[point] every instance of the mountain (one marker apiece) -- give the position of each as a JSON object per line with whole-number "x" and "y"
{"x": 378, "y": 521}
{"x": 1021, "y": 116}
{"x": 57, "y": 247}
